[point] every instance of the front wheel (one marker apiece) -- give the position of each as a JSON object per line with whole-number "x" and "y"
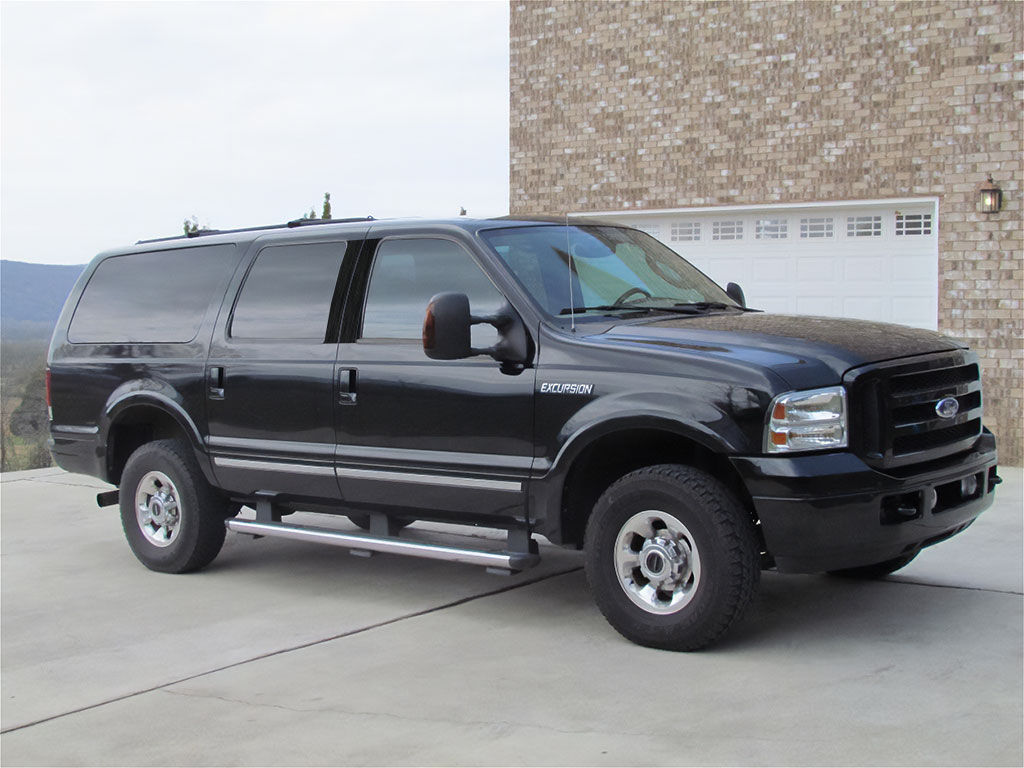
{"x": 172, "y": 518}
{"x": 671, "y": 557}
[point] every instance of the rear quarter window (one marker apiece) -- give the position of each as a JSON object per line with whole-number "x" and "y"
{"x": 154, "y": 297}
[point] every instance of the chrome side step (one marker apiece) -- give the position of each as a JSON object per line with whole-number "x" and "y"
{"x": 362, "y": 543}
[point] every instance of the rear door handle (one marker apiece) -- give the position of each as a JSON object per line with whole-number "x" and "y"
{"x": 348, "y": 378}
{"x": 216, "y": 383}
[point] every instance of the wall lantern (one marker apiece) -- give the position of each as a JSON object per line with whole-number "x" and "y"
{"x": 991, "y": 197}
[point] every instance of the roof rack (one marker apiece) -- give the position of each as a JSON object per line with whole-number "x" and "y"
{"x": 289, "y": 225}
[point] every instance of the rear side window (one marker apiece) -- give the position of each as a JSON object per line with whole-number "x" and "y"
{"x": 288, "y": 293}
{"x": 147, "y": 298}
{"x": 406, "y": 275}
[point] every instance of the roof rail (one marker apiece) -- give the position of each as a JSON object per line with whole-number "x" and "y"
{"x": 289, "y": 225}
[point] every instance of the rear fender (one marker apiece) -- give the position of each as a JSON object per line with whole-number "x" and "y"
{"x": 153, "y": 394}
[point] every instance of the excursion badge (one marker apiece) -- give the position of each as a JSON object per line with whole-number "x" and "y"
{"x": 558, "y": 388}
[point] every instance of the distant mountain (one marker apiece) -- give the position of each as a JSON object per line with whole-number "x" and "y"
{"x": 31, "y": 297}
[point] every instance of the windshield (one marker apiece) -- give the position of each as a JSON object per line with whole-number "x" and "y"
{"x": 610, "y": 269}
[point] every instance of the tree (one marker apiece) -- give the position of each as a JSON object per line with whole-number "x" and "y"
{"x": 29, "y": 419}
{"x": 191, "y": 225}
{"x": 5, "y": 448}
{"x": 327, "y": 206}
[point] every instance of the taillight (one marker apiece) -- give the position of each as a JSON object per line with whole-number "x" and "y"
{"x": 49, "y": 406}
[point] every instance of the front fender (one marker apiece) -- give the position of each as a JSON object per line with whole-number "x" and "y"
{"x": 719, "y": 425}
{"x": 703, "y": 420}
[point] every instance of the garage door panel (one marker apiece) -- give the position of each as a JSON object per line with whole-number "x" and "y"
{"x": 815, "y": 269}
{"x": 865, "y": 307}
{"x": 771, "y": 268}
{"x": 864, "y": 268}
{"x": 910, "y": 310}
{"x": 778, "y": 304}
{"x": 816, "y": 305}
{"x": 912, "y": 267}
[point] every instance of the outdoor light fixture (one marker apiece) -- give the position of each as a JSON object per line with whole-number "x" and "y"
{"x": 991, "y": 197}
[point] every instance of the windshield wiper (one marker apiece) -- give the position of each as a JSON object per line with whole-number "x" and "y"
{"x": 605, "y": 308}
{"x": 680, "y": 308}
{"x": 704, "y": 306}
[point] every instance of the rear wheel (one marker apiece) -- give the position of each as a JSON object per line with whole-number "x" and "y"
{"x": 875, "y": 570}
{"x": 671, "y": 557}
{"x": 172, "y": 518}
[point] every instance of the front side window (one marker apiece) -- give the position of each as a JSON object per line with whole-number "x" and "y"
{"x": 288, "y": 293}
{"x": 566, "y": 269}
{"x": 407, "y": 273}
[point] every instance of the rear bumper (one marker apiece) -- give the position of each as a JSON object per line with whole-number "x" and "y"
{"x": 78, "y": 449}
{"x": 831, "y": 511}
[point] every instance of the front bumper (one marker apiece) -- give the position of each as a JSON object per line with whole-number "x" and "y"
{"x": 831, "y": 511}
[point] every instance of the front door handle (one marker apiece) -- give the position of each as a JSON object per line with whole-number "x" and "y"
{"x": 347, "y": 380}
{"x": 216, "y": 383}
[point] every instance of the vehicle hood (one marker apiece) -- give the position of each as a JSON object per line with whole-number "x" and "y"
{"x": 806, "y": 351}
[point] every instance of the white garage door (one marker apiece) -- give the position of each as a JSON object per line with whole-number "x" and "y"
{"x": 874, "y": 260}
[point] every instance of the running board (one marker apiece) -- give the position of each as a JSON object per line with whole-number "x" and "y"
{"x": 363, "y": 543}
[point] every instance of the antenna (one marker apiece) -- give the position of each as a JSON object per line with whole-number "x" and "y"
{"x": 568, "y": 253}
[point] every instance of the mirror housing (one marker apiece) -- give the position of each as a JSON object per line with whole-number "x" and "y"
{"x": 446, "y": 332}
{"x": 446, "y": 327}
{"x": 736, "y": 294}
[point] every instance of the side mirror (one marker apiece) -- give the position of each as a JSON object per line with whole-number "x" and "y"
{"x": 446, "y": 327}
{"x": 736, "y": 294}
{"x": 446, "y": 332}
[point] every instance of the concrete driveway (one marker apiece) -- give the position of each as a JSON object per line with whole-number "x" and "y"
{"x": 284, "y": 653}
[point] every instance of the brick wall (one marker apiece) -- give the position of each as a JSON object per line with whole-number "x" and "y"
{"x": 626, "y": 105}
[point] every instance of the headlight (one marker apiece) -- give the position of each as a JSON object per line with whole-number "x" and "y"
{"x": 814, "y": 420}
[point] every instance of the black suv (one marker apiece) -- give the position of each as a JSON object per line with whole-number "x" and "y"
{"x": 572, "y": 379}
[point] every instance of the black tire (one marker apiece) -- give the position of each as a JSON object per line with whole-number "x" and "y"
{"x": 875, "y": 570}
{"x": 363, "y": 521}
{"x": 187, "y": 530}
{"x": 698, "y": 514}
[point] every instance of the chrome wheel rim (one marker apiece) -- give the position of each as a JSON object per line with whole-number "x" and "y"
{"x": 656, "y": 562}
{"x": 157, "y": 509}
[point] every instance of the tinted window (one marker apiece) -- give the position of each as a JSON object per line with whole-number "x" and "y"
{"x": 288, "y": 292}
{"x": 407, "y": 273}
{"x": 160, "y": 296}
{"x": 568, "y": 267}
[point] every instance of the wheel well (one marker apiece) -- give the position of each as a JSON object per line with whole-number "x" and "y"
{"x": 135, "y": 427}
{"x": 612, "y": 456}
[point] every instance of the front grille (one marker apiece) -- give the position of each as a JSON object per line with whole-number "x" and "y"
{"x": 929, "y": 381}
{"x": 894, "y": 417}
{"x": 936, "y": 438}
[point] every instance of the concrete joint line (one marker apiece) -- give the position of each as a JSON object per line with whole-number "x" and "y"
{"x": 404, "y": 718}
{"x": 953, "y": 586}
{"x": 282, "y": 651}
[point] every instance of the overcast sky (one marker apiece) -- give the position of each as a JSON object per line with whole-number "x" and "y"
{"x": 119, "y": 120}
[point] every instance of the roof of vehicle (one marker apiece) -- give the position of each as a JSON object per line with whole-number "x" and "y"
{"x": 305, "y": 225}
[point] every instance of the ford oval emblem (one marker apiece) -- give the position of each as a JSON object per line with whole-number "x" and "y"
{"x": 947, "y": 407}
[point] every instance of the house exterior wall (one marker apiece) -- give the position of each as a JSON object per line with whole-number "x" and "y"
{"x": 647, "y": 105}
